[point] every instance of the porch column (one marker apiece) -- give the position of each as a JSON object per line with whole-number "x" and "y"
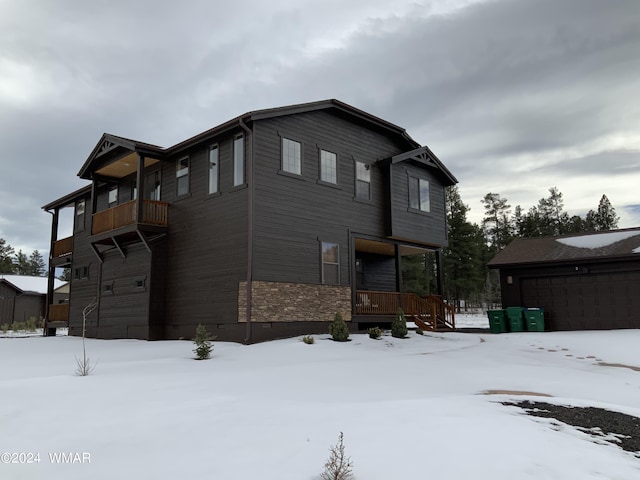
{"x": 398, "y": 258}
{"x": 94, "y": 202}
{"x": 52, "y": 273}
{"x": 140, "y": 189}
{"x": 439, "y": 273}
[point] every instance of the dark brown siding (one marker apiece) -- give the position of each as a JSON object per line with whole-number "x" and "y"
{"x": 293, "y": 214}
{"x": 421, "y": 227}
{"x": 7, "y": 300}
{"x": 578, "y": 297}
{"x": 207, "y": 245}
{"x": 28, "y": 306}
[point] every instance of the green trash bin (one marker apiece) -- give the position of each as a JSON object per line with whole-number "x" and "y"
{"x": 534, "y": 318}
{"x": 497, "y": 321}
{"x": 516, "y": 319}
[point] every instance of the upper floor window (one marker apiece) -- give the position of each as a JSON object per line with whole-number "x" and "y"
{"x": 113, "y": 195}
{"x": 182, "y": 176}
{"x": 80, "y": 209}
{"x": 419, "y": 194}
{"x": 214, "y": 167}
{"x": 330, "y": 263}
{"x": 328, "y": 167}
{"x": 152, "y": 185}
{"x": 238, "y": 161}
{"x": 291, "y": 156}
{"x": 363, "y": 181}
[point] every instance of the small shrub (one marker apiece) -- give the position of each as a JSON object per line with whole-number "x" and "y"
{"x": 419, "y": 331}
{"x": 31, "y": 324}
{"x": 17, "y": 326}
{"x": 338, "y": 466}
{"x": 308, "y": 339}
{"x": 375, "y": 332}
{"x": 4, "y": 327}
{"x": 202, "y": 342}
{"x": 399, "y": 325}
{"x": 338, "y": 329}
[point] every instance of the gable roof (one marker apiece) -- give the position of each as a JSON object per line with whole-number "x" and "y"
{"x": 111, "y": 147}
{"x": 594, "y": 246}
{"x": 25, "y": 284}
{"x": 424, "y": 156}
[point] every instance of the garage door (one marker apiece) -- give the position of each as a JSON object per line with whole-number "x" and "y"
{"x": 586, "y": 302}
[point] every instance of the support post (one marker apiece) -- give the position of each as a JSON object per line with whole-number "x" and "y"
{"x": 51, "y": 332}
{"x": 399, "y": 286}
{"x": 140, "y": 189}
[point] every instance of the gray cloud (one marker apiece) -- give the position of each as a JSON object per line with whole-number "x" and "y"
{"x": 502, "y": 91}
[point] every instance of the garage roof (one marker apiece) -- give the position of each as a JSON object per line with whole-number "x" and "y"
{"x": 615, "y": 244}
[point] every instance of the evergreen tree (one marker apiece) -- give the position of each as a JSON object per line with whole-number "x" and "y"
{"x": 604, "y": 218}
{"x": 496, "y": 223}
{"x": 37, "y": 265}
{"x": 22, "y": 266}
{"x": 6, "y": 257}
{"x": 338, "y": 329}
{"x": 65, "y": 276}
{"x": 202, "y": 342}
{"x": 553, "y": 219}
{"x": 464, "y": 266}
{"x": 399, "y": 325}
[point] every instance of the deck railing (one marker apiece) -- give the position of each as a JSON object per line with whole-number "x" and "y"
{"x": 63, "y": 247}
{"x": 153, "y": 213}
{"x": 59, "y": 312}
{"x": 431, "y": 309}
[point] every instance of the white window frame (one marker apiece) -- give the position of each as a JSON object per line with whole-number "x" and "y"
{"x": 214, "y": 169}
{"x": 238, "y": 161}
{"x": 328, "y": 172}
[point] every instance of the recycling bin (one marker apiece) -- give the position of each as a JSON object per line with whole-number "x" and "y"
{"x": 497, "y": 321}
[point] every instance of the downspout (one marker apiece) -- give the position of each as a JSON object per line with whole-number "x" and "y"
{"x": 250, "y": 197}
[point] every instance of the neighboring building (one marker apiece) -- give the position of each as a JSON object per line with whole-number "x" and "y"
{"x": 23, "y": 297}
{"x": 587, "y": 281}
{"x": 262, "y": 227}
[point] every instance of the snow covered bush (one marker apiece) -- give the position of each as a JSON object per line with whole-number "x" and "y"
{"x": 338, "y": 466}
{"x": 339, "y": 329}
{"x": 202, "y": 342}
{"x": 308, "y": 339}
{"x": 399, "y": 325}
{"x": 419, "y": 331}
{"x": 4, "y": 327}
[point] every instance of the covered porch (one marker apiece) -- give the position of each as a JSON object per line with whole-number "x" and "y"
{"x": 393, "y": 274}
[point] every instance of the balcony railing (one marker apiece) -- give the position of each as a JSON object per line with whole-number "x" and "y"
{"x": 153, "y": 213}
{"x": 59, "y": 312}
{"x": 63, "y": 247}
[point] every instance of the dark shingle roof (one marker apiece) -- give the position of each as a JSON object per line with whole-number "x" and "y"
{"x": 616, "y": 244}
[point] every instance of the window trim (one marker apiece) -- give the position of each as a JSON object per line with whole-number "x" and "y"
{"x": 215, "y": 147}
{"x": 419, "y": 209}
{"x": 238, "y": 182}
{"x": 79, "y": 218}
{"x": 367, "y": 167}
{"x": 115, "y": 200}
{"x": 81, "y": 272}
{"x": 300, "y": 157}
{"x": 320, "y": 170}
{"x": 187, "y": 174}
{"x": 323, "y": 262}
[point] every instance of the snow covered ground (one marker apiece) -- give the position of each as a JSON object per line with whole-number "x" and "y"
{"x": 409, "y": 409}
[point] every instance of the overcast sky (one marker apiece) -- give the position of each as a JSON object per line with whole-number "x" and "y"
{"x": 514, "y": 96}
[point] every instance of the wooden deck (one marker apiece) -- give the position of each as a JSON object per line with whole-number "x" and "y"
{"x": 429, "y": 313}
{"x": 153, "y": 213}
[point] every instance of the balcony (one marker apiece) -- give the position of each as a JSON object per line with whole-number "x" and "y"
{"x": 154, "y": 214}
{"x": 62, "y": 250}
{"x": 58, "y": 313}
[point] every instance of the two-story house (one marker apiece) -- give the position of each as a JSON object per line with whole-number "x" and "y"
{"x": 262, "y": 227}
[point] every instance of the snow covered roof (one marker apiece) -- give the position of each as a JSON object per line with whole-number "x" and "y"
{"x": 588, "y": 246}
{"x": 30, "y": 284}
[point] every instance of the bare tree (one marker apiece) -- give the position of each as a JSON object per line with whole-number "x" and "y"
{"x": 339, "y": 466}
{"x": 85, "y": 367}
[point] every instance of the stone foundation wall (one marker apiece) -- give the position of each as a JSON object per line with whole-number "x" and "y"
{"x": 294, "y": 302}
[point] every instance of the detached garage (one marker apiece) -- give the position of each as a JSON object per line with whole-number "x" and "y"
{"x": 583, "y": 282}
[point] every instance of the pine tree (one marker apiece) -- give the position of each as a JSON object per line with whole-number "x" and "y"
{"x": 202, "y": 342}
{"x": 464, "y": 265}
{"x": 338, "y": 329}
{"x": 22, "y": 266}
{"x": 6, "y": 257}
{"x": 37, "y": 265}
{"x": 496, "y": 223}
{"x": 399, "y": 325}
{"x": 606, "y": 217}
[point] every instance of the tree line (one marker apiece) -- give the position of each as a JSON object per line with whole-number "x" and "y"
{"x": 471, "y": 246}
{"x": 19, "y": 263}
